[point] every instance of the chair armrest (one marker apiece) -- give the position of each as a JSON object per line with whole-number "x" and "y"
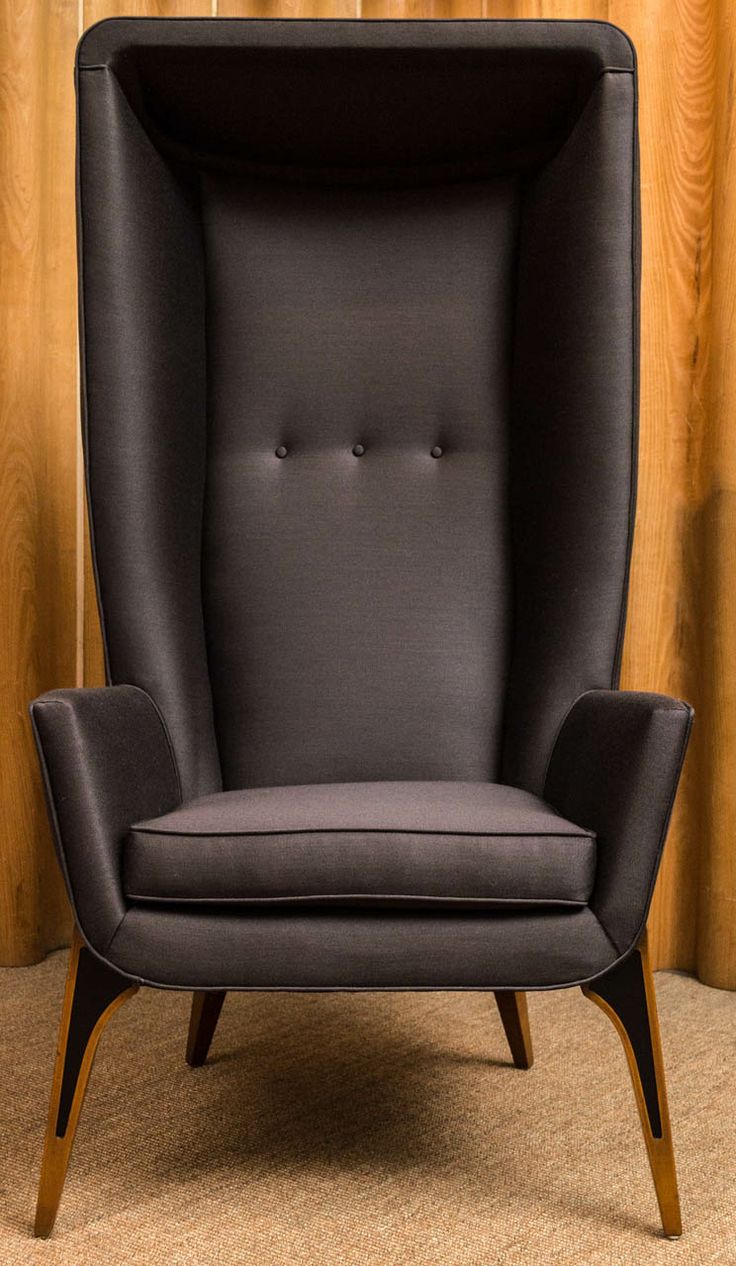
{"x": 106, "y": 762}
{"x": 615, "y": 768}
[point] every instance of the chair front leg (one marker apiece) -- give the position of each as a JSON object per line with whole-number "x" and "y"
{"x": 626, "y": 995}
{"x": 515, "y": 1019}
{"x": 206, "y": 1008}
{"x": 93, "y": 993}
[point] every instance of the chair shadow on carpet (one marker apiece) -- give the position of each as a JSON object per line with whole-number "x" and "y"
{"x": 299, "y": 1083}
{"x": 305, "y": 1084}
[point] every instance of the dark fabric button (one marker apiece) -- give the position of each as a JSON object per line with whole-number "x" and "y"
{"x": 358, "y": 450}
{"x": 436, "y": 451}
{"x": 281, "y": 451}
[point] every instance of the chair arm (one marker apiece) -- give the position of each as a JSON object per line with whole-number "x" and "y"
{"x": 615, "y": 768}
{"x": 106, "y": 762}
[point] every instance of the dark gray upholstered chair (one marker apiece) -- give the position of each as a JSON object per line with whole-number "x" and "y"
{"x": 360, "y": 330}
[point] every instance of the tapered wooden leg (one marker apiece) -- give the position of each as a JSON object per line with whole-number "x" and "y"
{"x": 206, "y": 1008}
{"x": 515, "y": 1019}
{"x": 626, "y": 994}
{"x": 93, "y": 993}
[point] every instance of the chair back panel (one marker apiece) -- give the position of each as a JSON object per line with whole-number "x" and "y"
{"x": 403, "y": 236}
{"x": 357, "y": 602}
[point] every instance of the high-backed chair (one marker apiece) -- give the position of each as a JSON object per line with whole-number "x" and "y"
{"x": 359, "y": 366}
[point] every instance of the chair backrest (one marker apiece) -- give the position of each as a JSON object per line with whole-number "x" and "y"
{"x": 359, "y": 318}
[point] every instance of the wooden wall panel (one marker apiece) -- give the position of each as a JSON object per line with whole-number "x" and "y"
{"x": 37, "y": 446}
{"x": 675, "y": 47}
{"x": 716, "y": 557}
{"x": 288, "y": 8}
{"x": 96, "y": 10}
{"x": 408, "y": 9}
{"x": 682, "y": 626}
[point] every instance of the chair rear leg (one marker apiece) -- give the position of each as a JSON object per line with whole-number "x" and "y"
{"x": 515, "y": 1018}
{"x": 206, "y": 1008}
{"x": 93, "y": 993}
{"x": 626, "y": 994}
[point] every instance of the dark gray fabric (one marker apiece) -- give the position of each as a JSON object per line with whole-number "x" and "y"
{"x": 586, "y": 46}
{"x": 616, "y": 765}
{"x": 354, "y": 949}
{"x": 251, "y": 259}
{"x": 322, "y": 254}
{"x": 471, "y": 808}
{"x": 574, "y": 424}
{"x": 398, "y": 844}
{"x": 106, "y": 760}
{"x": 143, "y": 392}
{"x": 357, "y": 607}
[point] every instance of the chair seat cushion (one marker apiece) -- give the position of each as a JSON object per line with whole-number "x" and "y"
{"x": 444, "y": 844}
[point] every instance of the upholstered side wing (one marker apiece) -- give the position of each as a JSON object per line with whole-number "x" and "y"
{"x": 574, "y": 420}
{"x": 143, "y": 390}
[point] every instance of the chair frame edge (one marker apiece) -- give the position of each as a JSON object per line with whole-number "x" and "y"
{"x": 94, "y": 991}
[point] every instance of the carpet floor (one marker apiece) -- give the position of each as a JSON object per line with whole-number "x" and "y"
{"x": 368, "y": 1130}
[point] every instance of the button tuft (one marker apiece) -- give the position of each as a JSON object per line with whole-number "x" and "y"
{"x": 436, "y": 451}
{"x": 358, "y": 450}
{"x": 282, "y": 450}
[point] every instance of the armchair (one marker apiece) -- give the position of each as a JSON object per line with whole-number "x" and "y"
{"x": 359, "y": 374}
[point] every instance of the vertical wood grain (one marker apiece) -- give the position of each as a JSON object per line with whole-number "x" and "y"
{"x": 716, "y": 939}
{"x": 568, "y": 10}
{"x": 37, "y": 446}
{"x": 96, "y": 10}
{"x": 675, "y": 49}
{"x": 288, "y": 8}
{"x": 407, "y": 9}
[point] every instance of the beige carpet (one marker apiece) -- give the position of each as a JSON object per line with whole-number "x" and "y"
{"x": 368, "y": 1131}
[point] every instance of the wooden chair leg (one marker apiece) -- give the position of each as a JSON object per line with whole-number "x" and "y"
{"x": 515, "y": 1018}
{"x": 206, "y": 1008}
{"x": 626, "y": 994}
{"x": 93, "y": 993}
